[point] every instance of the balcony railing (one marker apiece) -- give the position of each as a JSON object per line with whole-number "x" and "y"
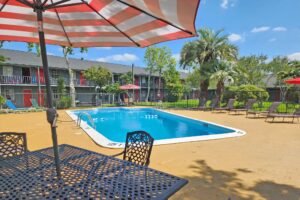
{"x": 33, "y": 80}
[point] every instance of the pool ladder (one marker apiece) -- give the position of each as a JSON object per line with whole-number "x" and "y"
{"x": 79, "y": 118}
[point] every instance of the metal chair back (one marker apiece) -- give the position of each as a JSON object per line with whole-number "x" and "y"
{"x": 273, "y": 107}
{"x": 214, "y": 103}
{"x": 250, "y": 104}
{"x": 12, "y": 144}
{"x": 230, "y": 104}
{"x": 138, "y": 147}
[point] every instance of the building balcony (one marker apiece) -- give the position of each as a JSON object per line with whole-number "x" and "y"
{"x": 33, "y": 80}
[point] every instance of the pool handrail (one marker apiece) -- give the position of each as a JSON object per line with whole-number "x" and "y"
{"x": 88, "y": 116}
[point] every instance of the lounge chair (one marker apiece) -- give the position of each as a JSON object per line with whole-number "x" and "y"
{"x": 256, "y": 113}
{"x": 228, "y": 107}
{"x": 13, "y": 107}
{"x": 248, "y": 107}
{"x": 213, "y": 104}
{"x": 294, "y": 115}
{"x": 202, "y": 105}
{"x": 36, "y": 105}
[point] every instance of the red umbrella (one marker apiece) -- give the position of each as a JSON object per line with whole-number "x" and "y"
{"x": 293, "y": 81}
{"x": 91, "y": 23}
{"x": 130, "y": 87}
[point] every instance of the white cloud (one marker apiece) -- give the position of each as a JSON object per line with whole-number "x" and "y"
{"x": 224, "y": 4}
{"x": 260, "y": 29}
{"x": 294, "y": 56}
{"x": 235, "y": 37}
{"x": 272, "y": 40}
{"x": 126, "y": 57}
{"x": 176, "y": 56}
{"x": 280, "y": 29}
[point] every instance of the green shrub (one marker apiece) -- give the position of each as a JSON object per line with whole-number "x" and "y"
{"x": 63, "y": 103}
{"x": 230, "y": 93}
{"x": 175, "y": 92}
{"x": 2, "y": 101}
{"x": 246, "y": 92}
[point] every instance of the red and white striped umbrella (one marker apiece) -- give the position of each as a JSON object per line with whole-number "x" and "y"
{"x": 90, "y": 23}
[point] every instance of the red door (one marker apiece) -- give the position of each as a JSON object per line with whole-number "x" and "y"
{"x": 41, "y": 98}
{"x": 27, "y": 96}
{"x": 82, "y": 79}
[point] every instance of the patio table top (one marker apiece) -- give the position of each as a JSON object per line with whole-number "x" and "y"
{"x": 85, "y": 175}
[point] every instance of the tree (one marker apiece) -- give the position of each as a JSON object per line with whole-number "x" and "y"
{"x": 280, "y": 68}
{"x": 157, "y": 58}
{"x": 164, "y": 59}
{"x": 67, "y": 51}
{"x": 250, "y": 70}
{"x": 126, "y": 78}
{"x": 172, "y": 81}
{"x": 221, "y": 75}
{"x": 99, "y": 75}
{"x": 31, "y": 46}
{"x": 2, "y": 101}
{"x": 150, "y": 58}
{"x": 201, "y": 53}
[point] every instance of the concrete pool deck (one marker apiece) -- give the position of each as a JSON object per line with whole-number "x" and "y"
{"x": 264, "y": 164}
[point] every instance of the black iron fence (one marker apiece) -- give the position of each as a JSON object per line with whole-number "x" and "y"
{"x": 163, "y": 99}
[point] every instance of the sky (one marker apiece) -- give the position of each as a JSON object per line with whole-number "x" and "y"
{"x": 256, "y": 27}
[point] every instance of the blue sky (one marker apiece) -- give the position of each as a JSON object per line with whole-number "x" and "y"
{"x": 256, "y": 27}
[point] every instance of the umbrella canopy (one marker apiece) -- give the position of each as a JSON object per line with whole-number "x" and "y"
{"x": 91, "y": 23}
{"x": 130, "y": 87}
{"x": 293, "y": 81}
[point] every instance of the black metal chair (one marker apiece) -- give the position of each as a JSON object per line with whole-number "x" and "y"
{"x": 12, "y": 144}
{"x": 138, "y": 148}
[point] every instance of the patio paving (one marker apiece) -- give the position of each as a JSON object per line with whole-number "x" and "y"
{"x": 264, "y": 164}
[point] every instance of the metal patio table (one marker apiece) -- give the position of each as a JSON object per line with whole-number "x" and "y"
{"x": 85, "y": 175}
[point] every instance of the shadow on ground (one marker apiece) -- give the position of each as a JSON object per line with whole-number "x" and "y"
{"x": 212, "y": 184}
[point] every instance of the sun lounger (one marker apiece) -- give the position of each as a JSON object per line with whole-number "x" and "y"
{"x": 229, "y": 106}
{"x": 256, "y": 114}
{"x": 292, "y": 116}
{"x": 13, "y": 107}
{"x": 248, "y": 106}
{"x": 202, "y": 105}
{"x": 213, "y": 104}
{"x": 36, "y": 105}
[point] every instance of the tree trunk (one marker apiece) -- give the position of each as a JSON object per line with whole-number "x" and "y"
{"x": 220, "y": 88}
{"x": 148, "y": 90}
{"x": 159, "y": 82}
{"x": 71, "y": 80}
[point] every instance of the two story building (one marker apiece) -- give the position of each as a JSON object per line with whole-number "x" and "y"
{"x": 22, "y": 77}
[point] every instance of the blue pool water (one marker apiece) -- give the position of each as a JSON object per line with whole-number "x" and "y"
{"x": 114, "y": 123}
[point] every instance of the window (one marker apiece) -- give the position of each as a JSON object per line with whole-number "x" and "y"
{"x": 9, "y": 94}
{"x": 54, "y": 74}
{"x": 55, "y": 94}
{"x": 7, "y": 71}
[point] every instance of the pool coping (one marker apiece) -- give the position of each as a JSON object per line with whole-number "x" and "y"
{"x": 101, "y": 140}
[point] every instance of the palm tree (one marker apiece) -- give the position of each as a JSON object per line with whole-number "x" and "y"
{"x": 222, "y": 75}
{"x": 207, "y": 49}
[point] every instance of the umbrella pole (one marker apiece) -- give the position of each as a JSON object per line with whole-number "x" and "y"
{"x": 51, "y": 112}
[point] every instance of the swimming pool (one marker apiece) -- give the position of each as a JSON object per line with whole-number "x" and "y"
{"x": 109, "y": 126}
